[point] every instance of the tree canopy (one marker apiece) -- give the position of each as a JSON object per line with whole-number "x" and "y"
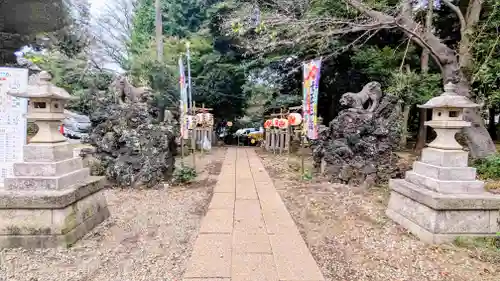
{"x": 380, "y": 40}
{"x": 246, "y": 57}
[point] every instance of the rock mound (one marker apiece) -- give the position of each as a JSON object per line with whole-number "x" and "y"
{"x": 134, "y": 149}
{"x": 358, "y": 146}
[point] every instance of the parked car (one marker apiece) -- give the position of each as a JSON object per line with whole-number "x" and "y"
{"x": 75, "y": 126}
{"x": 242, "y": 136}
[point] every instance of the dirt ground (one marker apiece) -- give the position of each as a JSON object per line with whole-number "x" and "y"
{"x": 149, "y": 236}
{"x": 352, "y": 239}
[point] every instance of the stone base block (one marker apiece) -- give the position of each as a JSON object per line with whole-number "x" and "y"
{"x": 445, "y": 173}
{"x": 40, "y": 169}
{"x": 49, "y": 225}
{"x": 445, "y": 158}
{"x": 445, "y": 186}
{"x": 440, "y": 218}
{"x": 47, "y": 182}
{"x": 44, "y": 153}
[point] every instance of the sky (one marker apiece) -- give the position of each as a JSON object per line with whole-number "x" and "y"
{"x": 96, "y": 5}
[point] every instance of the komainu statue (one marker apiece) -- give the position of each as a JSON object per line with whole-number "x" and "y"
{"x": 358, "y": 145}
{"x": 371, "y": 92}
{"x": 124, "y": 91}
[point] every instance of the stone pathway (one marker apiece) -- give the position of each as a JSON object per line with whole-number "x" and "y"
{"x": 247, "y": 233}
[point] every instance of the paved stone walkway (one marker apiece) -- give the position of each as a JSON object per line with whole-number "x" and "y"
{"x": 247, "y": 233}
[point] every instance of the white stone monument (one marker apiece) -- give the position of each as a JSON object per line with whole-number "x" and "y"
{"x": 440, "y": 199}
{"x": 51, "y": 200}
{"x": 12, "y": 121}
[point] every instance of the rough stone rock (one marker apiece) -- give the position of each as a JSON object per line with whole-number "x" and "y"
{"x": 133, "y": 148}
{"x": 359, "y": 145}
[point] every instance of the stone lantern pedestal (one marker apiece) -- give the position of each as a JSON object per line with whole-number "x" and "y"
{"x": 51, "y": 200}
{"x": 440, "y": 199}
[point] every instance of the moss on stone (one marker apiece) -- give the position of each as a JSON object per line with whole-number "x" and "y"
{"x": 87, "y": 213}
{"x": 39, "y": 231}
{"x": 70, "y": 222}
{"x": 13, "y": 230}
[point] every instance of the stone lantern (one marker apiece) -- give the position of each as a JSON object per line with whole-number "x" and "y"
{"x": 52, "y": 200}
{"x": 447, "y": 117}
{"x": 46, "y": 109}
{"x": 440, "y": 199}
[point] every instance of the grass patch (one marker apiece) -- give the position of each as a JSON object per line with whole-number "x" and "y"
{"x": 483, "y": 248}
{"x": 492, "y": 243}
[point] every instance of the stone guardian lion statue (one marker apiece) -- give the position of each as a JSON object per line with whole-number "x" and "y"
{"x": 371, "y": 92}
{"x": 124, "y": 91}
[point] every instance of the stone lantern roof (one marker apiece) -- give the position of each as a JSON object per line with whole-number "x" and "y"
{"x": 449, "y": 99}
{"x": 43, "y": 88}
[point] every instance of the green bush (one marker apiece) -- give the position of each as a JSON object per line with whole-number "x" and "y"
{"x": 32, "y": 129}
{"x": 489, "y": 167}
{"x": 184, "y": 175}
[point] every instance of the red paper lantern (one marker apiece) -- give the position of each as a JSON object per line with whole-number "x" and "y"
{"x": 282, "y": 123}
{"x": 276, "y": 122}
{"x": 294, "y": 119}
{"x": 268, "y": 124}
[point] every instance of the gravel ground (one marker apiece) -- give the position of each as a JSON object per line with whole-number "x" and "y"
{"x": 149, "y": 236}
{"x": 351, "y": 238}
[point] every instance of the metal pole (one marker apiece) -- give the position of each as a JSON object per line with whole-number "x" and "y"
{"x": 193, "y": 147}
{"x": 188, "y": 55}
{"x": 182, "y": 151}
{"x": 193, "y": 137}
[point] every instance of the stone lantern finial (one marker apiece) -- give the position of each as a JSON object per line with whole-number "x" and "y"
{"x": 450, "y": 89}
{"x": 45, "y": 77}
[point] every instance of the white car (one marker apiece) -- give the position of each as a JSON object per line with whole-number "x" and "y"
{"x": 75, "y": 125}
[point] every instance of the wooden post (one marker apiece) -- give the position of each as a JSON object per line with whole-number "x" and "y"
{"x": 287, "y": 143}
{"x": 268, "y": 140}
{"x": 280, "y": 131}
{"x": 273, "y": 141}
{"x": 182, "y": 151}
{"x": 282, "y": 140}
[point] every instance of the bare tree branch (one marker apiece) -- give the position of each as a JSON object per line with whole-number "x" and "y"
{"x": 112, "y": 30}
{"x": 287, "y": 29}
{"x": 444, "y": 56}
{"x": 461, "y": 18}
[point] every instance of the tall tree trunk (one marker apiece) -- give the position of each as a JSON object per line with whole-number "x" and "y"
{"x": 159, "y": 46}
{"x": 470, "y": 19}
{"x": 422, "y": 130}
{"x": 424, "y": 59}
{"x": 478, "y": 138}
{"x": 424, "y": 65}
{"x": 404, "y": 127}
{"x": 492, "y": 126}
{"x": 159, "y": 31}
